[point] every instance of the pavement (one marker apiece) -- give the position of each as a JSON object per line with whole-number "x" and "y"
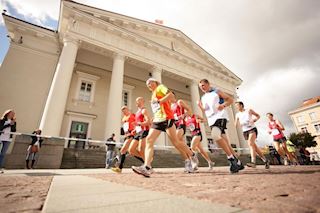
{"x": 73, "y": 191}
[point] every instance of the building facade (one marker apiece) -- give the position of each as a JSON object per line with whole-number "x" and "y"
{"x": 73, "y": 81}
{"x": 307, "y": 119}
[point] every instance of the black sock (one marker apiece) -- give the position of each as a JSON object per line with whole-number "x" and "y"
{"x": 140, "y": 159}
{"x": 122, "y": 159}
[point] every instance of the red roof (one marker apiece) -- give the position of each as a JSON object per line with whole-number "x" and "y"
{"x": 311, "y": 101}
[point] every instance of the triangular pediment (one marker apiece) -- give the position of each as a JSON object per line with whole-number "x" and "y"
{"x": 167, "y": 37}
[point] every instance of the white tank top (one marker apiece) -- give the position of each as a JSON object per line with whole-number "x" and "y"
{"x": 245, "y": 120}
{"x": 210, "y": 102}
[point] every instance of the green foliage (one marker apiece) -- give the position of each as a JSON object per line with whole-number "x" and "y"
{"x": 304, "y": 139}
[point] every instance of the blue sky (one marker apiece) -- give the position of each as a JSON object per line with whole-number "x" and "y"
{"x": 11, "y": 10}
{"x": 273, "y": 46}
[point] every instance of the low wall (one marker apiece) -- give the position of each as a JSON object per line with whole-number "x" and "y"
{"x": 49, "y": 156}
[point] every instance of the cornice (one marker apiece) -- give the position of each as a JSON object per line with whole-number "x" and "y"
{"x": 119, "y": 19}
{"x": 80, "y": 16}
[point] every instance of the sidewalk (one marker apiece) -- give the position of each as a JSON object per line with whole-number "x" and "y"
{"x": 78, "y": 193}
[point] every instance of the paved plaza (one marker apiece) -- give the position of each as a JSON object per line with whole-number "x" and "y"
{"x": 280, "y": 189}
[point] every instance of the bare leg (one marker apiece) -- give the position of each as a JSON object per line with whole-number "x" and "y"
{"x": 133, "y": 149}
{"x": 151, "y": 138}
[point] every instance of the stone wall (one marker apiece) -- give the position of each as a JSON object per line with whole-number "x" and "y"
{"x": 49, "y": 156}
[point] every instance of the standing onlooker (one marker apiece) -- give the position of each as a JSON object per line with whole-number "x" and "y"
{"x": 7, "y": 125}
{"x": 33, "y": 148}
{"x": 110, "y": 150}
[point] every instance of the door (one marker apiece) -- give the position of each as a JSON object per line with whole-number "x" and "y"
{"x": 78, "y": 130}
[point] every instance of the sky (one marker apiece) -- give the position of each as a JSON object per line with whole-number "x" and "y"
{"x": 273, "y": 46}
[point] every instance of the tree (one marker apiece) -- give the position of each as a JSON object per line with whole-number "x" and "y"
{"x": 304, "y": 139}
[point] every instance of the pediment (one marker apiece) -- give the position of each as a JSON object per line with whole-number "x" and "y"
{"x": 167, "y": 37}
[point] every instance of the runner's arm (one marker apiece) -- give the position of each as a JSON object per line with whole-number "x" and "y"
{"x": 184, "y": 105}
{"x": 280, "y": 125}
{"x": 167, "y": 97}
{"x": 228, "y": 100}
{"x": 147, "y": 118}
{"x": 255, "y": 115}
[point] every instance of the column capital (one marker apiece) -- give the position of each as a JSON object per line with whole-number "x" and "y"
{"x": 119, "y": 56}
{"x": 70, "y": 39}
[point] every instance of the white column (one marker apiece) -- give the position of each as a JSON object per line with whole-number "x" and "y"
{"x": 113, "y": 119}
{"x": 53, "y": 113}
{"x": 156, "y": 73}
{"x": 195, "y": 96}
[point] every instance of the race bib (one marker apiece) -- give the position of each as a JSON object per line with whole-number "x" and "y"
{"x": 155, "y": 107}
{"x": 275, "y": 132}
{"x": 138, "y": 129}
{"x": 126, "y": 126}
{"x": 192, "y": 127}
{"x": 175, "y": 116}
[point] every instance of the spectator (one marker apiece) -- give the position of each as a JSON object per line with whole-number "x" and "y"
{"x": 33, "y": 148}
{"x": 110, "y": 150}
{"x": 7, "y": 125}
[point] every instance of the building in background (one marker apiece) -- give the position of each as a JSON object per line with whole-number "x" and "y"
{"x": 306, "y": 118}
{"x": 72, "y": 82}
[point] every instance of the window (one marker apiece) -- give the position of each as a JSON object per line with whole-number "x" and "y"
{"x": 304, "y": 129}
{"x": 85, "y": 88}
{"x": 126, "y": 95}
{"x": 85, "y": 91}
{"x": 313, "y": 116}
{"x": 125, "y": 98}
{"x": 300, "y": 119}
{"x": 317, "y": 127}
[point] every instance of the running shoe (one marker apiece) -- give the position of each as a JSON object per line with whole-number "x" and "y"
{"x": 194, "y": 162}
{"x": 239, "y": 164}
{"x": 1, "y": 171}
{"x": 285, "y": 161}
{"x": 267, "y": 164}
{"x": 211, "y": 165}
{"x": 188, "y": 168}
{"x": 234, "y": 167}
{"x": 252, "y": 165}
{"x": 116, "y": 170}
{"x": 141, "y": 170}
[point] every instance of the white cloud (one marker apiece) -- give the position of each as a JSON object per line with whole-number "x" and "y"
{"x": 278, "y": 91}
{"x": 36, "y": 10}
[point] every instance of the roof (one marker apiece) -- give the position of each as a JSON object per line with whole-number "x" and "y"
{"x": 311, "y": 101}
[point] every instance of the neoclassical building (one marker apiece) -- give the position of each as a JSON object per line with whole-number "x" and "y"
{"x": 73, "y": 81}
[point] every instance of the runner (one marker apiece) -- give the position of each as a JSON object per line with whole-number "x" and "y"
{"x": 180, "y": 110}
{"x": 128, "y": 121}
{"x": 143, "y": 121}
{"x": 163, "y": 121}
{"x": 193, "y": 123}
{"x": 217, "y": 119}
{"x": 250, "y": 132}
{"x": 279, "y": 140}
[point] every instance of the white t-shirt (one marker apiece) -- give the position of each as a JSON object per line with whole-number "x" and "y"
{"x": 245, "y": 120}
{"x": 5, "y": 136}
{"x": 210, "y": 102}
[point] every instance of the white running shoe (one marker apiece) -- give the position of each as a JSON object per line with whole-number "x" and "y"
{"x": 285, "y": 161}
{"x": 194, "y": 162}
{"x": 141, "y": 170}
{"x": 188, "y": 168}
{"x": 1, "y": 171}
{"x": 211, "y": 165}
